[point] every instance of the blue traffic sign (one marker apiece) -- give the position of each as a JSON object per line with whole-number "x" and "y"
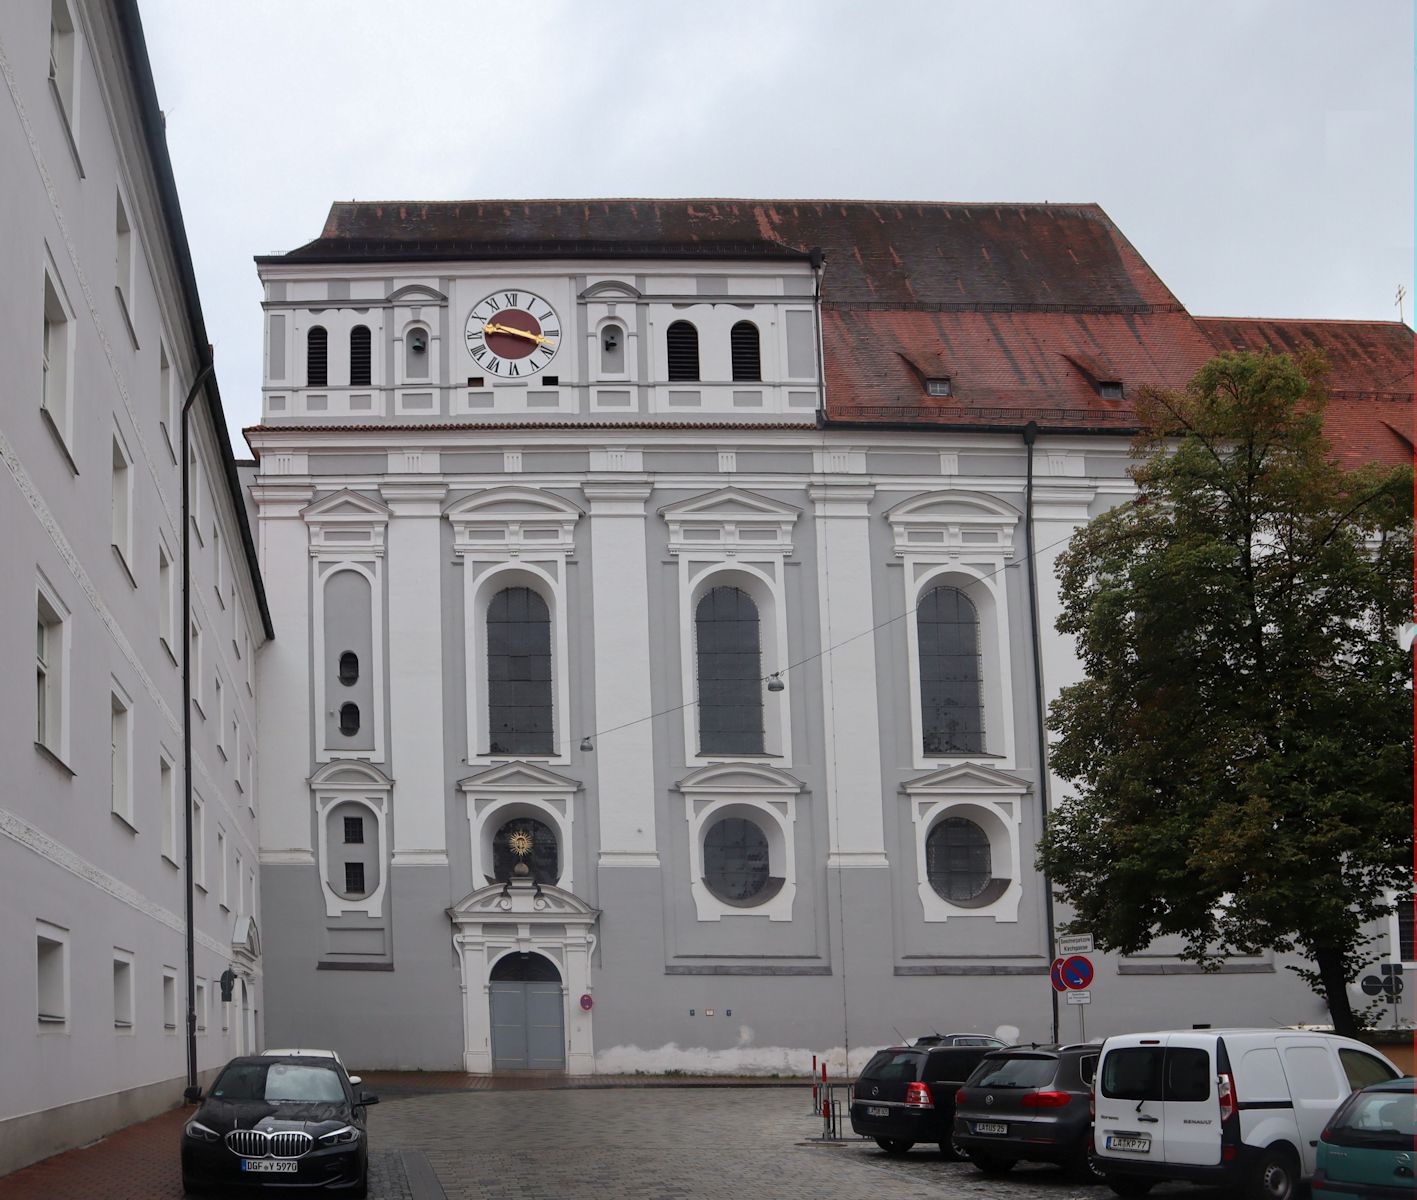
{"x": 1076, "y": 972}
{"x": 1057, "y": 975}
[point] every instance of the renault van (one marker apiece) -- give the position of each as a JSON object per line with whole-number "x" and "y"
{"x": 1233, "y": 1108}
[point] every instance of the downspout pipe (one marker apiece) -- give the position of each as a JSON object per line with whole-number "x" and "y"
{"x": 186, "y": 439}
{"x": 1030, "y": 435}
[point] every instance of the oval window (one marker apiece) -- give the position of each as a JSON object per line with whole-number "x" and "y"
{"x": 349, "y": 719}
{"x": 736, "y": 860}
{"x": 349, "y": 668}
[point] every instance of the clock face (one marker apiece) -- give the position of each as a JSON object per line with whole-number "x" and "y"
{"x": 512, "y": 333}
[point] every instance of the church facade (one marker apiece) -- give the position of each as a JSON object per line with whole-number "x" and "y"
{"x": 665, "y": 600}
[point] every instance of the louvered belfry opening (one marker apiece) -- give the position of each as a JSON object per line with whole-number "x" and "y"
{"x": 359, "y": 356}
{"x": 317, "y": 357}
{"x": 747, "y": 358}
{"x": 683, "y": 343}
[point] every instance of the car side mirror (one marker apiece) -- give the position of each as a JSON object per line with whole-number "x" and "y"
{"x": 354, "y": 1079}
{"x": 366, "y": 1098}
{"x": 193, "y": 1095}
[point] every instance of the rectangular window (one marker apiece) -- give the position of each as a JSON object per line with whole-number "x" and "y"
{"x": 218, "y": 574}
{"x": 123, "y": 257}
{"x": 120, "y": 772}
{"x": 122, "y": 989}
{"x": 194, "y": 648}
{"x": 194, "y": 489}
{"x": 200, "y": 1004}
{"x": 169, "y": 999}
{"x": 354, "y": 878}
{"x": 166, "y": 401}
{"x": 122, "y": 503}
{"x": 353, "y": 831}
{"x": 250, "y": 785}
{"x": 240, "y": 885}
{"x": 52, "y": 975}
{"x": 51, "y": 672}
{"x": 1405, "y": 942}
{"x": 221, "y": 867}
{"x": 167, "y": 797}
{"x": 219, "y": 707}
{"x": 199, "y": 847}
{"x": 234, "y": 747}
{"x": 62, "y": 73}
{"x": 166, "y": 598}
{"x": 56, "y": 395}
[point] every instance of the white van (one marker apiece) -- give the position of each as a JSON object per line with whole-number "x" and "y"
{"x": 1234, "y": 1108}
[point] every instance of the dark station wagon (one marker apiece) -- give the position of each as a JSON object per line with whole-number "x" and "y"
{"x": 906, "y": 1095}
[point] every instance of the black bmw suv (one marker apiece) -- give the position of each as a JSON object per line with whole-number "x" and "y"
{"x": 1031, "y": 1103}
{"x": 906, "y": 1095}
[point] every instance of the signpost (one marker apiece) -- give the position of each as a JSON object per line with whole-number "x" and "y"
{"x": 1072, "y": 973}
{"x": 1079, "y": 998}
{"x": 1074, "y": 943}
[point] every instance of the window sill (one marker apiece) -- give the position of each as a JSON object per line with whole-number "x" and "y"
{"x": 127, "y": 316}
{"x": 197, "y": 704}
{"x": 54, "y": 758}
{"x": 170, "y": 861}
{"x": 224, "y": 906}
{"x": 122, "y": 558}
{"x": 125, "y": 821}
{"x": 167, "y": 441}
{"x": 69, "y": 137}
{"x": 200, "y": 885}
{"x": 58, "y": 435}
{"x": 164, "y": 643}
{"x": 222, "y": 751}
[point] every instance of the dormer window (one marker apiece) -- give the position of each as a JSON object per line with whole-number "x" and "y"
{"x": 1109, "y": 389}
{"x": 939, "y": 387}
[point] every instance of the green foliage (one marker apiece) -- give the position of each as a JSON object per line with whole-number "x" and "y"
{"x": 1241, "y": 749}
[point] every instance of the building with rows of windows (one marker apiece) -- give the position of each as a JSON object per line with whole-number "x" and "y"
{"x": 101, "y": 340}
{"x": 663, "y": 568}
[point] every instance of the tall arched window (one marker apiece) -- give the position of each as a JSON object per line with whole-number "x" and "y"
{"x": 747, "y": 359}
{"x": 730, "y": 673}
{"x": 951, "y": 687}
{"x": 519, "y": 673}
{"x": 682, "y": 341}
{"x": 317, "y": 357}
{"x": 359, "y": 356}
{"x": 957, "y": 859}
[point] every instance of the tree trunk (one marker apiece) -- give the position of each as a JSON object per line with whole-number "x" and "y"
{"x": 1335, "y": 987}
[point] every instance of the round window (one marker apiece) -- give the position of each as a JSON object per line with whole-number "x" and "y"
{"x": 529, "y": 841}
{"x": 957, "y": 859}
{"x": 736, "y": 860}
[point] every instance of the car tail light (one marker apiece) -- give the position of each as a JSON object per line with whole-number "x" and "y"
{"x": 917, "y": 1095}
{"x": 1046, "y": 1099}
{"x": 960, "y": 1097}
{"x": 1091, "y": 1107}
{"x": 1225, "y": 1088}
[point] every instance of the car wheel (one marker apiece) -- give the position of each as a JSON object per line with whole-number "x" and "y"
{"x": 1273, "y": 1176}
{"x": 1129, "y": 1185}
{"x": 1087, "y": 1166}
{"x": 992, "y": 1164}
{"x": 895, "y": 1146}
{"x": 952, "y": 1151}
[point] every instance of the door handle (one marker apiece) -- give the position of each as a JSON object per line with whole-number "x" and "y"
{"x": 1149, "y": 1120}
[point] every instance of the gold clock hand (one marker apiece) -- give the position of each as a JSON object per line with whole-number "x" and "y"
{"x": 522, "y": 333}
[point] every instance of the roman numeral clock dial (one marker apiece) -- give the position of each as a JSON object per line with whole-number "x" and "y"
{"x": 512, "y": 334}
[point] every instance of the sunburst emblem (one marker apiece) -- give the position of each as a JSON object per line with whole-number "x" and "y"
{"x": 519, "y": 842}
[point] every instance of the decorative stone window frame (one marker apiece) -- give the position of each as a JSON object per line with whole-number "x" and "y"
{"x": 514, "y": 537}
{"x": 734, "y": 538}
{"x": 961, "y": 539}
{"x": 347, "y": 533}
{"x": 762, "y": 794}
{"x": 993, "y": 800}
{"x": 519, "y": 789}
{"x": 362, "y": 783}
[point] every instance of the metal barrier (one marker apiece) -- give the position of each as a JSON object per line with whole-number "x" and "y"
{"x": 834, "y": 1101}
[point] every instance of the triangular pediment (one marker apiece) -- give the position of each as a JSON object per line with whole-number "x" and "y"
{"x": 526, "y": 902}
{"x": 739, "y": 777}
{"x": 346, "y": 505}
{"x": 246, "y": 938}
{"x": 953, "y": 508}
{"x": 416, "y": 293}
{"x": 510, "y": 503}
{"x": 967, "y": 778}
{"x": 518, "y": 777}
{"x": 728, "y": 504}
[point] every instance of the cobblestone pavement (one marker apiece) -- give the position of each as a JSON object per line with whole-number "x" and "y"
{"x": 638, "y": 1144}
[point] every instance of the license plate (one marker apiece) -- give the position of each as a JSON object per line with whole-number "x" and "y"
{"x": 270, "y": 1166}
{"x": 989, "y": 1127}
{"x": 878, "y": 1112}
{"x": 1134, "y": 1145}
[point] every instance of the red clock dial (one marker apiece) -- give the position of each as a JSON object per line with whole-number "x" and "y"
{"x": 512, "y": 333}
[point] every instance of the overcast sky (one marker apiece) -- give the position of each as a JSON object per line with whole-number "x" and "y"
{"x": 1258, "y": 153}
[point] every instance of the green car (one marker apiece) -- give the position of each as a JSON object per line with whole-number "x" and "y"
{"x": 1368, "y": 1150}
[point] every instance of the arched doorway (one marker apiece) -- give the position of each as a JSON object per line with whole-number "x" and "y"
{"x": 528, "y": 1006}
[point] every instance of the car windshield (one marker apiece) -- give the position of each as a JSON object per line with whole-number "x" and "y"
{"x": 1018, "y": 1071}
{"x": 279, "y": 1082}
{"x": 1380, "y": 1120}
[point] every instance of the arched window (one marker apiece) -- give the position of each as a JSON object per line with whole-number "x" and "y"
{"x": 349, "y": 668}
{"x": 682, "y": 341}
{"x": 612, "y": 350}
{"x": 730, "y": 673}
{"x": 747, "y": 360}
{"x": 736, "y": 861}
{"x": 957, "y": 859}
{"x": 359, "y": 356}
{"x": 519, "y": 673}
{"x": 349, "y": 719}
{"x": 317, "y": 357}
{"x": 529, "y": 841}
{"x": 951, "y": 691}
{"x": 415, "y": 346}
{"x": 525, "y": 968}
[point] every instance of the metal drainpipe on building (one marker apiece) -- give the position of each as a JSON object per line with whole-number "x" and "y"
{"x": 1030, "y": 433}
{"x": 186, "y": 439}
